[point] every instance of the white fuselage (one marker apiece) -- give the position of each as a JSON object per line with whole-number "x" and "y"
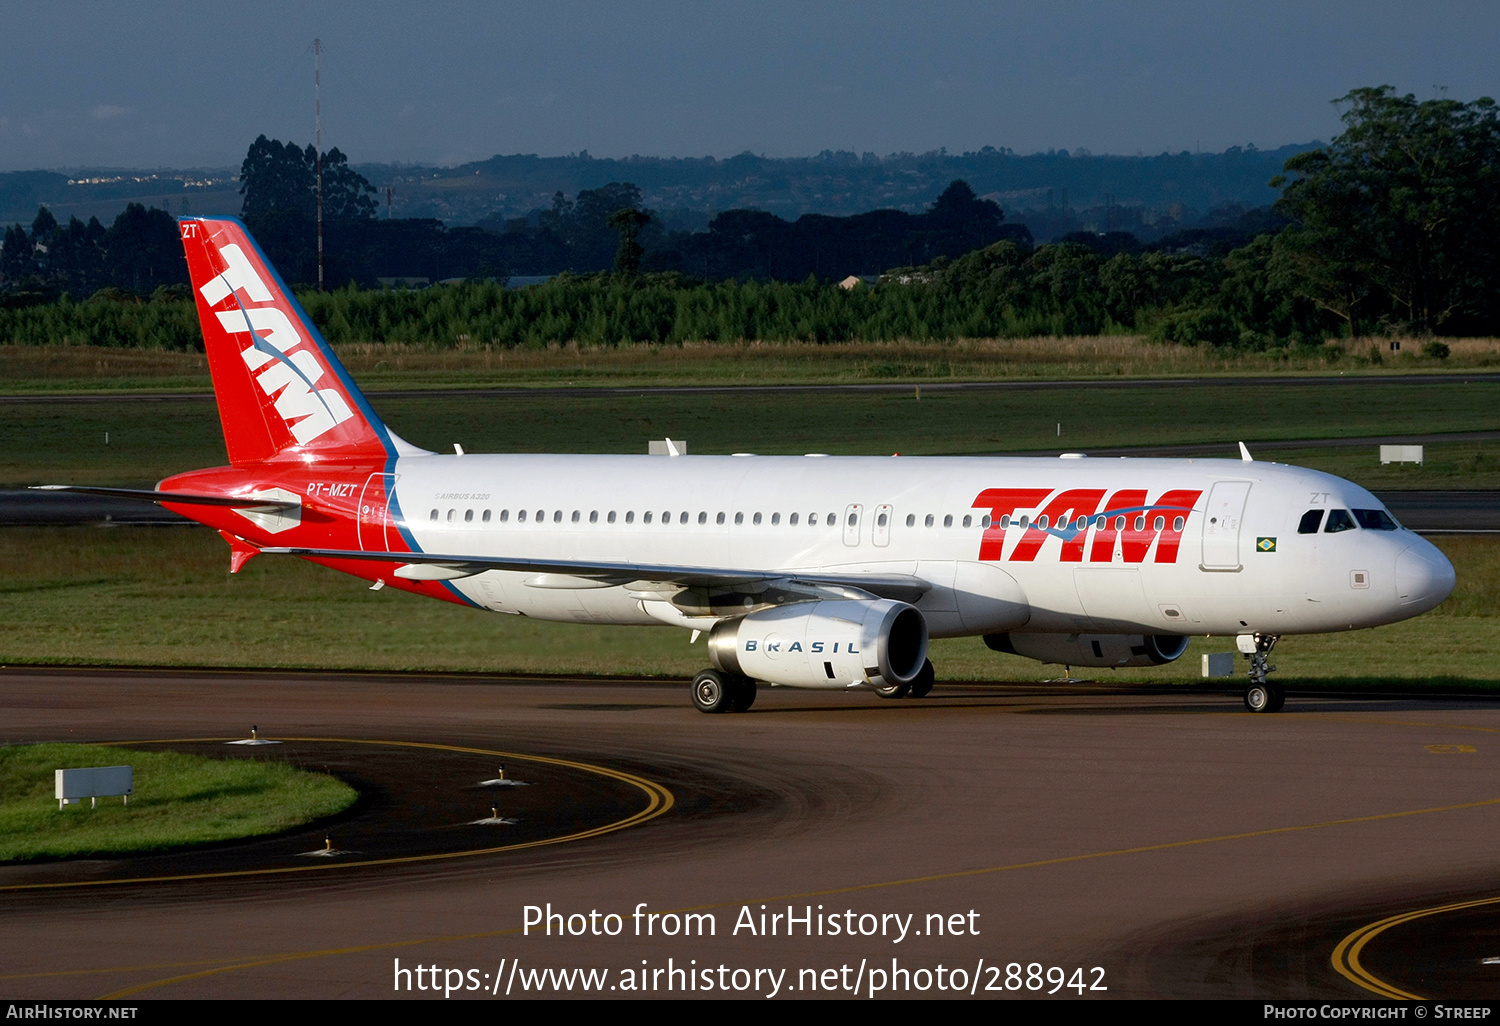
{"x": 1240, "y": 566}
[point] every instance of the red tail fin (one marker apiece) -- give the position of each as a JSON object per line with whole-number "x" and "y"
{"x": 281, "y": 391}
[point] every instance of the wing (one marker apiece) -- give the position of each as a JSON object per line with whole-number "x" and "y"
{"x": 430, "y": 566}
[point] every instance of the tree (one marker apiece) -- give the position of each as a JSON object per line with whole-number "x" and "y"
{"x": 15, "y": 256}
{"x": 278, "y": 177}
{"x": 143, "y": 250}
{"x": 347, "y": 194}
{"x": 628, "y": 221}
{"x": 1398, "y": 218}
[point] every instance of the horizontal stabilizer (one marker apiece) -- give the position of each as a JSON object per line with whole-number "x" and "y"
{"x": 182, "y": 498}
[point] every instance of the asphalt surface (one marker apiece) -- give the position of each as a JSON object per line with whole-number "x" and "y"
{"x": 1182, "y": 846}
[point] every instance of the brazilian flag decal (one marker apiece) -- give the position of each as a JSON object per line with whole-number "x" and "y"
{"x": 1265, "y": 545}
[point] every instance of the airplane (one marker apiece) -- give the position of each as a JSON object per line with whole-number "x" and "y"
{"x": 809, "y": 571}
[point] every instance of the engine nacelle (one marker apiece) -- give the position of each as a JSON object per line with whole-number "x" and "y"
{"x": 1092, "y": 649}
{"x": 825, "y": 644}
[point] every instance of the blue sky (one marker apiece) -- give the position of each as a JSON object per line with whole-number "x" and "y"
{"x": 183, "y": 84}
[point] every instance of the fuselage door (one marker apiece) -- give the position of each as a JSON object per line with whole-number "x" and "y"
{"x": 851, "y": 523}
{"x": 881, "y": 532}
{"x": 375, "y": 527}
{"x": 1221, "y": 525}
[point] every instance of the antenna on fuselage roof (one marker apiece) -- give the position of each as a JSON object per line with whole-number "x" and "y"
{"x": 1245, "y": 454}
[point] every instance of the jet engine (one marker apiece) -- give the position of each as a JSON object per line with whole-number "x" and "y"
{"x": 1092, "y": 649}
{"x": 824, "y": 644}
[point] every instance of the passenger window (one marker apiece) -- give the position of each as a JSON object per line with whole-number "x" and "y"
{"x": 468, "y": 516}
{"x": 486, "y": 516}
{"x": 911, "y": 520}
{"x": 756, "y": 519}
{"x": 450, "y": 516}
{"x": 434, "y": 515}
{"x": 928, "y": 522}
{"x": 1311, "y": 521}
{"x": 812, "y": 520}
{"x": 593, "y": 516}
{"x": 683, "y": 517}
{"x": 557, "y": 516}
{"x": 1338, "y": 520}
{"x": 832, "y": 520}
{"x": 853, "y": 519}
{"x": 521, "y": 516}
{"x": 1178, "y": 523}
{"x": 646, "y": 517}
{"x": 611, "y": 517}
{"x": 630, "y": 516}
{"x": 719, "y": 519}
{"x": 968, "y": 520}
{"x": 739, "y": 518}
{"x": 1005, "y": 522}
{"x": 1376, "y": 520}
{"x": 505, "y": 516}
{"x": 1041, "y": 522}
{"x": 702, "y": 518}
{"x": 775, "y": 519}
{"x": 1159, "y": 523}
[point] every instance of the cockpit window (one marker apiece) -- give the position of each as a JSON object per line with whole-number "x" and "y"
{"x": 1311, "y": 521}
{"x": 1376, "y": 520}
{"x": 1339, "y": 520}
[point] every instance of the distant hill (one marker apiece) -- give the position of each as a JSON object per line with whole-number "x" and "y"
{"x": 1052, "y": 193}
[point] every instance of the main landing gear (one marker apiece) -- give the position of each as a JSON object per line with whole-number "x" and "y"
{"x": 1262, "y": 696}
{"x": 917, "y": 688}
{"x": 715, "y": 691}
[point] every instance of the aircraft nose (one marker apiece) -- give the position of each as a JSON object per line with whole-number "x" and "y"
{"x": 1424, "y": 577}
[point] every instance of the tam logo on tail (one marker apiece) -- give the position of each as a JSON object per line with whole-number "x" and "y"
{"x": 249, "y": 320}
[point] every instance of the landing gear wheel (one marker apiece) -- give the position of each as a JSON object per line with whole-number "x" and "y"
{"x": 716, "y": 692}
{"x": 712, "y": 693}
{"x": 1264, "y": 698}
{"x": 744, "y": 693}
{"x": 926, "y": 677}
{"x": 894, "y": 691}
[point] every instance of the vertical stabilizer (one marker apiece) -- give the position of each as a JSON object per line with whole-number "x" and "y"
{"x": 282, "y": 393}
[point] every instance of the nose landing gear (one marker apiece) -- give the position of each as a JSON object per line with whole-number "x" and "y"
{"x": 1261, "y": 696}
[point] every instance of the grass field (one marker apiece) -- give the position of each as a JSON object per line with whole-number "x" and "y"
{"x": 33, "y": 369}
{"x": 58, "y": 441}
{"x": 179, "y": 800}
{"x": 162, "y": 596}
